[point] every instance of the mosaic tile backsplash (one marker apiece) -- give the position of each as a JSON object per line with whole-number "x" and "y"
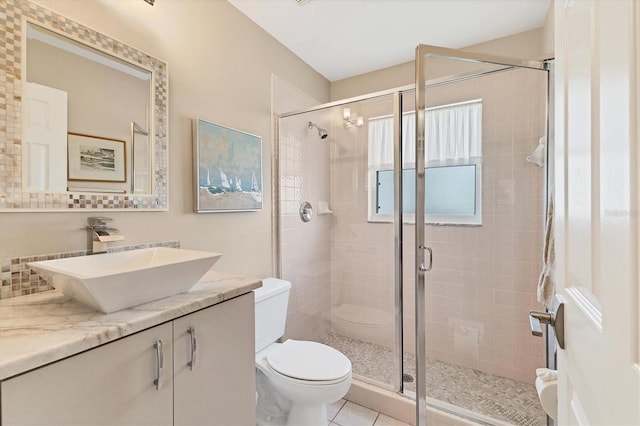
{"x": 20, "y": 280}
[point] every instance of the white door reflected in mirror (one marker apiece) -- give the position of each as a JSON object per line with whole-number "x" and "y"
{"x": 45, "y": 138}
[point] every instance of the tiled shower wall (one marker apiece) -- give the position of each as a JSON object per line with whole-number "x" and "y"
{"x": 304, "y": 247}
{"x": 483, "y": 281}
{"x": 484, "y": 285}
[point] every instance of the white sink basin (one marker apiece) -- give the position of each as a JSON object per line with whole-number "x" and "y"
{"x": 113, "y": 281}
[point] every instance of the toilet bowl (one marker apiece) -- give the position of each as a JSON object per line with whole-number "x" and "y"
{"x": 309, "y": 375}
{"x": 296, "y": 379}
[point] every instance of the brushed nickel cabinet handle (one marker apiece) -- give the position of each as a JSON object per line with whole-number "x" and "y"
{"x": 159, "y": 364}
{"x": 194, "y": 349}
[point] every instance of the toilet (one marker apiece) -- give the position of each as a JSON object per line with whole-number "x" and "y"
{"x": 295, "y": 379}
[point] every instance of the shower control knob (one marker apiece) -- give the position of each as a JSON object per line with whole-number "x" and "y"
{"x": 306, "y": 211}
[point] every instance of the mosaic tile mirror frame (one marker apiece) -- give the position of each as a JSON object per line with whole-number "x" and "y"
{"x": 14, "y": 16}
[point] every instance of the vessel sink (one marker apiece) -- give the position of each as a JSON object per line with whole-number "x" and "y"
{"x": 113, "y": 281}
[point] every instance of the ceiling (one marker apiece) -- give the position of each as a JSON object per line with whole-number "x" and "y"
{"x": 343, "y": 38}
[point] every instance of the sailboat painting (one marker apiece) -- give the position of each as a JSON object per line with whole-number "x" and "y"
{"x": 227, "y": 168}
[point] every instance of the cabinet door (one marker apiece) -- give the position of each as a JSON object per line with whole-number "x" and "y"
{"x": 110, "y": 385}
{"x": 220, "y": 389}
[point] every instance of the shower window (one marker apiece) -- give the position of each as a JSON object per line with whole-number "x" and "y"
{"x": 451, "y": 192}
{"x": 453, "y": 157}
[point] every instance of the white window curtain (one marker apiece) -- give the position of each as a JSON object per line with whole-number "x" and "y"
{"x": 453, "y": 134}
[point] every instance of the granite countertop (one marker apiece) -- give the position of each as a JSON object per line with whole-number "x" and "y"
{"x": 42, "y": 328}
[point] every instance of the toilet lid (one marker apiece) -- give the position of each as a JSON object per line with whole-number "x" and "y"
{"x": 309, "y": 361}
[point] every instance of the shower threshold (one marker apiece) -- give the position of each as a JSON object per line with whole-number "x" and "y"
{"x": 497, "y": 397}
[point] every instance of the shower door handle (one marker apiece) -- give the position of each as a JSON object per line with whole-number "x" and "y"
{"x": 426, "y": 266}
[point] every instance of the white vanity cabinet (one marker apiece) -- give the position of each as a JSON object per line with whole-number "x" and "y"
{"x": 110, "y": 385}
{"x": 116, "y": 383}
{"x": 219, "y": 388}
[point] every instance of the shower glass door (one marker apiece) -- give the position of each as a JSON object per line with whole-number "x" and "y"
{"x": 342, "y": 262}
{"x": 362, "y": 235}
{"x": 480, "y": 206}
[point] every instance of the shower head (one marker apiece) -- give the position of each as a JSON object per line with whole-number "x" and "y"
{"x": 321, "y": 132}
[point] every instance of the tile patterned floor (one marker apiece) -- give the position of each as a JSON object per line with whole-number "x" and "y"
{"x": 346, "y": 413}
{"x": 497, "y": 397}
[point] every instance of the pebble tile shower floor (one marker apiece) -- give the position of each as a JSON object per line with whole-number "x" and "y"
{"x": 497, "y": 397}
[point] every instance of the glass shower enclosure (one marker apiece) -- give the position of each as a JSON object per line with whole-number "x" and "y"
{"x": 438, "y": 312}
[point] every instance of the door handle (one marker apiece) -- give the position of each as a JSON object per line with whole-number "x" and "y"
{"x": 554, "y": 319}
{"x": 536, "y": 319}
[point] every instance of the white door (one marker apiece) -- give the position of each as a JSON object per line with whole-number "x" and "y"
{"x": 45, "y": 138}
{"x": 596, "y": 199}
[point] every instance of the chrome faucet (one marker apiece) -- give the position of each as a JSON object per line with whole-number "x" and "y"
{"x": 99, "y": 234}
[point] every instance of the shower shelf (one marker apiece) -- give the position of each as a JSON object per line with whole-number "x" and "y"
{"x": 323, "y": 208}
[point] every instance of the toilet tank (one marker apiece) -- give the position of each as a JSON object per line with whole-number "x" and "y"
{"x": 271, "y": 311}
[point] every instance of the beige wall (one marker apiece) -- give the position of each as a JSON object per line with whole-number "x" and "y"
{"x": 523, "y": 45}
{"x": 220, "y": 68}
{"x": 548, "y": 36}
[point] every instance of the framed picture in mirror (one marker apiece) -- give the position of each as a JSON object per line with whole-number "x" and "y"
{"x": 95, "y": 158}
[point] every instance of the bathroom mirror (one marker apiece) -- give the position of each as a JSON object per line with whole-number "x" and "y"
{"x": 86, "y": 118}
